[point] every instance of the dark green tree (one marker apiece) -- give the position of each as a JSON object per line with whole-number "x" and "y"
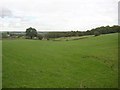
{"x": 31, "y": 32}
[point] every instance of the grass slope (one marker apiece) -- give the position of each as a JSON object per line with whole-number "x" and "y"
{"x": 90, "y": 62}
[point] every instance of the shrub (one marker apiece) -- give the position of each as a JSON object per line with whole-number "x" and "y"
{"x": 40, "y": 37}
{"x": 96, "y": 33}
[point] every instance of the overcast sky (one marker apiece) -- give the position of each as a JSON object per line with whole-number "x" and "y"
{"x": 56, "y": 15}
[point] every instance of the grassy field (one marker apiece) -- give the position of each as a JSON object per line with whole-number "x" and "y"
{"x": 0, "y": 64}
{"x": 86, "y": 63}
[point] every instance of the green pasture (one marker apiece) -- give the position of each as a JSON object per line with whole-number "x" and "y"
{"x": 85, "y": 63}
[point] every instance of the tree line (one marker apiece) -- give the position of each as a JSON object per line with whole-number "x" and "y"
{"x": 96, "y": 31}
{"x": 31, "y": 33}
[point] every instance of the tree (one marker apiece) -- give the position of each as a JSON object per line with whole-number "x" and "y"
{"x": 31, "y": 32}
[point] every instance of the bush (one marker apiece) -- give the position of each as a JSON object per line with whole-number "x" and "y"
{"x": 40, "y": 37}
{"x": 48, "y": 39}
{"x": 96, "y": 33}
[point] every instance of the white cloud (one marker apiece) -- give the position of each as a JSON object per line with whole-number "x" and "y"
{"x": 58, "y": 14}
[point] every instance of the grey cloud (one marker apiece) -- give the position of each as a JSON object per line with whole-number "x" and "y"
{"x": 5, "y": 12}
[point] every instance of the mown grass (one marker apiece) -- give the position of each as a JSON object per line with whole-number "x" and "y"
{"x": 84, "y": 63}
